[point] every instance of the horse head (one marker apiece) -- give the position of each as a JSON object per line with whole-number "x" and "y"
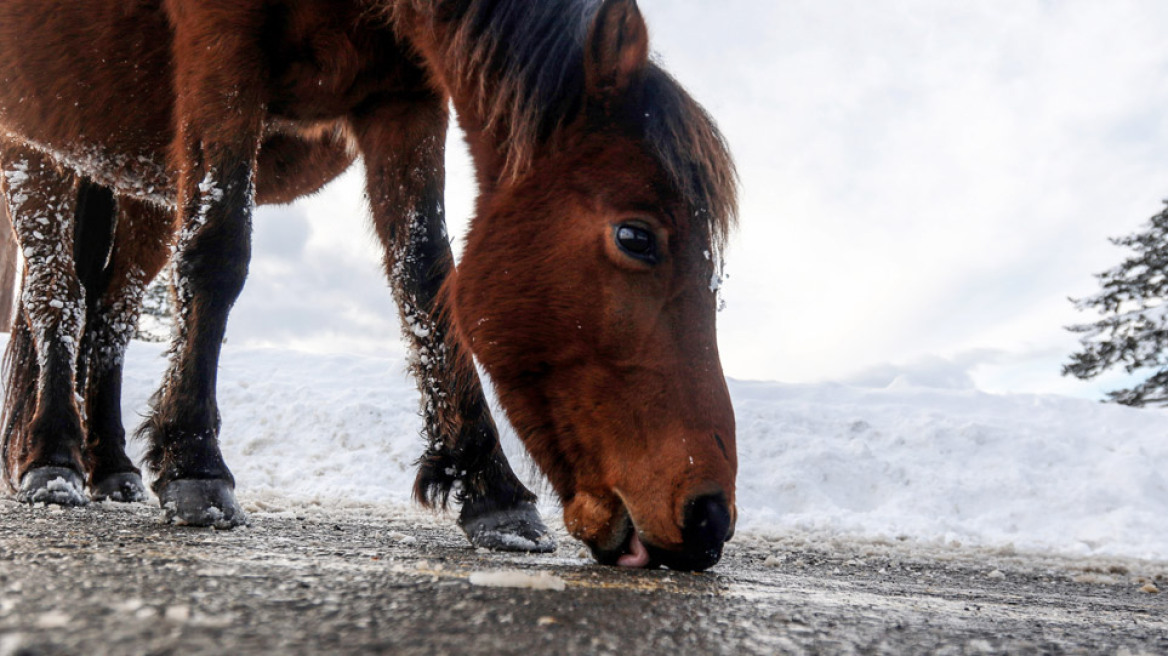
{"x": 585, "y": 291}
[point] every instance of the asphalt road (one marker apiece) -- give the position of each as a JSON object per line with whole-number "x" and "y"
{"x": 113, "y": 579}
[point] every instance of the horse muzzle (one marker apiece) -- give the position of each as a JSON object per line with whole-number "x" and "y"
{"x": 708, "y": 524}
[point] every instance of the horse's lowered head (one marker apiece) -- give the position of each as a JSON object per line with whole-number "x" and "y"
{"x": 587, "y": 291}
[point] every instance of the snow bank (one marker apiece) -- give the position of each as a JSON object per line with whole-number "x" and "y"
{"x": 303, "y": 428}
{"x": 1038, "y": 472}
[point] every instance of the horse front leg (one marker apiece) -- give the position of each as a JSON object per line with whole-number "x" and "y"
{"x": 42, "y": 426}
{"x": 403, "y": 145}
{"x": 192, "y": 481}
{"x": 141, "y": 248}
{"x": 219, "y": 110}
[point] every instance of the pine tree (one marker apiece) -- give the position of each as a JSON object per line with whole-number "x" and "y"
{"x": 1133, "y": 330}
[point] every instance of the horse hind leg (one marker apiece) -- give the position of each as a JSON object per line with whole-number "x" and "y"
{"x": 403, "y": 148}
{"x": 115, "y": 277}
{"x": 43, "y": 433}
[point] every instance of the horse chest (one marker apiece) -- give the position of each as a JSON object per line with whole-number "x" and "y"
{"x": 323, "y": 65}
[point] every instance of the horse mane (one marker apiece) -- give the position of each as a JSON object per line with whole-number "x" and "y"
{"x": 523, "y": 62}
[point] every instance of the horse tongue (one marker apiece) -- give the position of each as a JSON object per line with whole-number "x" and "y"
{"x": 638, "y": 555}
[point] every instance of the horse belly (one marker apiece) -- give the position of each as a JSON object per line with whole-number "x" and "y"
{"x": 90, "y": 83}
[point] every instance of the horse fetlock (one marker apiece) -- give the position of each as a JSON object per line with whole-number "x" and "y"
{"x": 519, "y": 528}
{"x": 105, "y": 449}
{"x": 60, "y": 486}
{"x": 498, "y": 512}
{"x": 54, "y": 440}
{"x": 179, "y": 451}
{"x": 201, "y": 502}
{"x": 107, "y": 459}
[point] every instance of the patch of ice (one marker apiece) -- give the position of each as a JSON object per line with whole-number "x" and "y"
{"x": 213, "y": 621}
{"x": 11, "y": 643}
{"x": 178, "y": 614}
{"x": 54, "y": 619}
{"x": 518, "y": 579}
{"x": 131, "y": 605}
{"x": 402, "y": 538}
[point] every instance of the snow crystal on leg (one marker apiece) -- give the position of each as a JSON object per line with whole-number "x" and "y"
{"x": 57, "y": 485}
{"x": 126, "y": 487}
{"x": 201, "y": 503}
{"x": 43, "y": 439}
{"x": 512, "y": 529}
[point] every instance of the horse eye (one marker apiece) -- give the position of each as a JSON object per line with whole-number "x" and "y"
{"x": 637, "y": 242}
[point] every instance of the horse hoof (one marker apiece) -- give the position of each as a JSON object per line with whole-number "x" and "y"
{"x": 201, "y": 502}
{"x": 513, "y": 529}
{"x": 125, "y": 487}
{"x": 57, "y": 485}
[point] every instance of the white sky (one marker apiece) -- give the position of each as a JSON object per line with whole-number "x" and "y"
{"x": 924, "y": 183}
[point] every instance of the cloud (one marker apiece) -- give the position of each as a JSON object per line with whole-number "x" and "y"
{"x": 928, "y": 371}
{"x": 921, "y": 178}
{"x": 321, "y": 297}
{"x": 280, "y": 232}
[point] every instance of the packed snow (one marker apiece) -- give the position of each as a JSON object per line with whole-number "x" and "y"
{"x": 942, "y": 466}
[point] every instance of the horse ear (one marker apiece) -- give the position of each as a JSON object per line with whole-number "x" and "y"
{"x": 617, "y": 49}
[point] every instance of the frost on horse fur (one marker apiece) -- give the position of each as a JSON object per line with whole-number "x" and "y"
{"x": 584, "y": 290}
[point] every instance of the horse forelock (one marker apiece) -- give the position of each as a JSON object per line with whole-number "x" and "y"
{"x": 693, "y": 153}
{"x": 523, "y": 63}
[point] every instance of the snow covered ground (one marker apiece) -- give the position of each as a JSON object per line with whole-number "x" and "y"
{"x": 938, "y": 466}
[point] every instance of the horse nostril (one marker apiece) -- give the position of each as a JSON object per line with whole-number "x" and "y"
{"x": 707, "y": 526}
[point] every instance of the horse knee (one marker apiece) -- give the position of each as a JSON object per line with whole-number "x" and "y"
{"x": 40, "y": 202}
{"x": 215, "y": 242}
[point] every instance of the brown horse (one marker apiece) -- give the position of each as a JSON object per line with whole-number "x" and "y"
{"x": 605, "y": 194}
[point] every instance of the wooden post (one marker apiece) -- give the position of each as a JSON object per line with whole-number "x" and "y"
{"x": 8, "y": 265}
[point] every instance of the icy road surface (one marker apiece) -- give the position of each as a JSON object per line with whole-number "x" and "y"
{"x": 302, "y": 580}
